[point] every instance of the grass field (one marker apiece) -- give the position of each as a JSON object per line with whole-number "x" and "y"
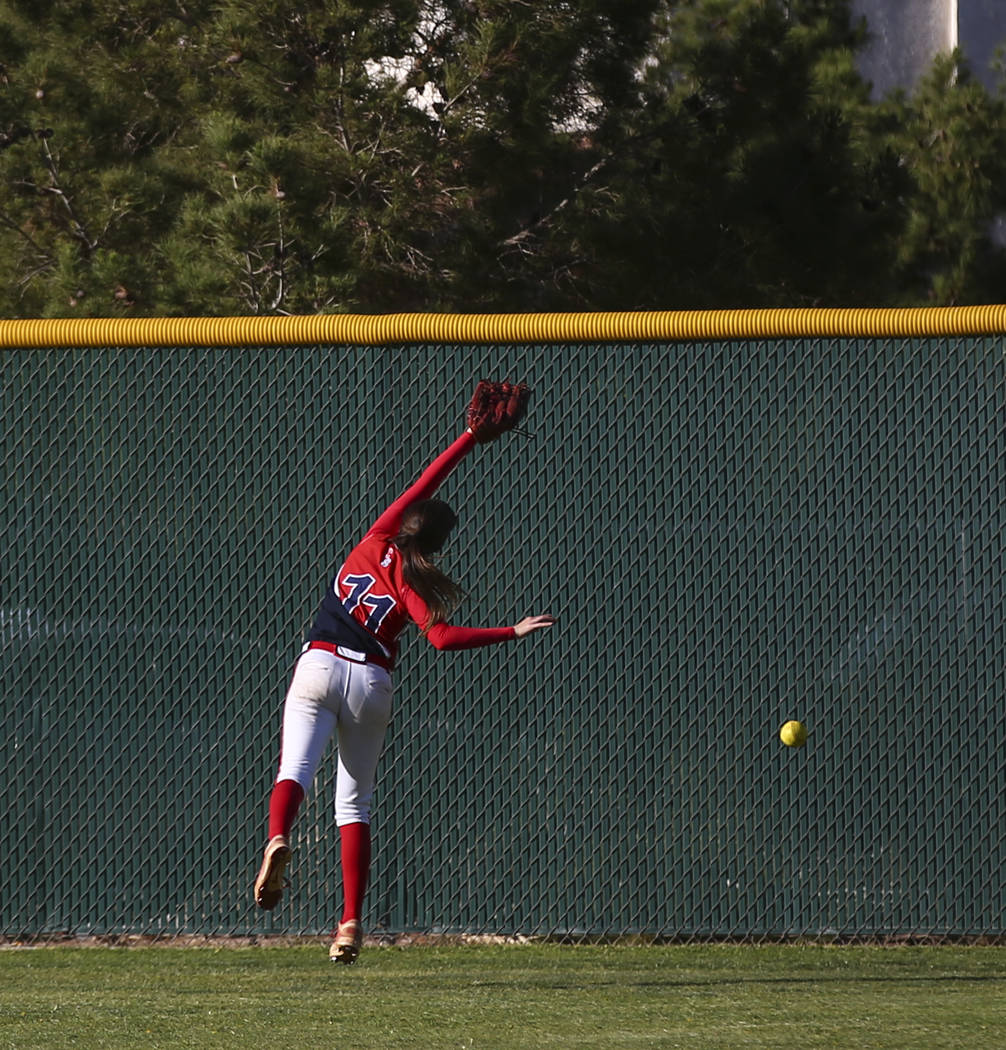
{"x": 504, "y": 996}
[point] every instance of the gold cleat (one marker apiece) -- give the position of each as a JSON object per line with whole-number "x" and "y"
{"x": 270, "y": 883}
{"x": 348, "y": 939}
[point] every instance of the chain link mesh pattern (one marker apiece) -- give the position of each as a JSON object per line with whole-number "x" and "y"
{"x": 732, "y": 534}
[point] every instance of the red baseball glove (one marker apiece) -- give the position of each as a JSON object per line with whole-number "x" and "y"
{"x": 496, "y": 407}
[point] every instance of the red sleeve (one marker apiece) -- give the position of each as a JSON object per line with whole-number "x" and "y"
{"x": 428, "y": 483}
{"x": 446, "y": 636}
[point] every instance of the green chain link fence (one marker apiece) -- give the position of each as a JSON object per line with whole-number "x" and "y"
{"x": 732, "y": 534}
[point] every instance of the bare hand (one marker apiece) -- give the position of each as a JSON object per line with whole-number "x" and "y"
{"x": 532, "y": 623}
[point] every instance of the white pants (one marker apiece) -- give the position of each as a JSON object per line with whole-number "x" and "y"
{"x": 326, "y": 694}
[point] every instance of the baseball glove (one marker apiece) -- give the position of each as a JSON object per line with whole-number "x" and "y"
{"x": 495, "y": 408}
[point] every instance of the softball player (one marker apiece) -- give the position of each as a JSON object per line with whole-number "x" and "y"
{"x": 341, "y": 682}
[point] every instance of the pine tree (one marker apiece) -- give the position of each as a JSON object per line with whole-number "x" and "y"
{"x": 246, "y": 156}
{"x": 746, "y": 176}
{"x": 88, "y": 103}
{"x": 950, "y": 136}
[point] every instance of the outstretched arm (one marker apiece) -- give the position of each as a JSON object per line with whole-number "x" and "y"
{"x": 427, "y": 484}
{"x": 447, "y": 636}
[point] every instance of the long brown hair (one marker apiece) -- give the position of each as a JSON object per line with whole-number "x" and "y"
{"x": 424, "y": 530}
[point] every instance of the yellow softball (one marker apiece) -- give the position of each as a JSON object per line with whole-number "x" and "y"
{"x": 793, "y": 734}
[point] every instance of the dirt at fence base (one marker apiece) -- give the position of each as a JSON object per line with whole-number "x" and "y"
{"x": 140, "y": 940}
{"x": 407, "y": 940}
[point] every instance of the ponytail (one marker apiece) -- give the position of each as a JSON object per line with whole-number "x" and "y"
{"x": 438, "y": 590}
{"x": 424, "y": 530}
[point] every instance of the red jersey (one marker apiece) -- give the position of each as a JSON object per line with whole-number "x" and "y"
{"x": 370, "y": 585}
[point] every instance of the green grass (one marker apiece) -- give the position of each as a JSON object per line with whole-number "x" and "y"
{"x": 506, "y": 997}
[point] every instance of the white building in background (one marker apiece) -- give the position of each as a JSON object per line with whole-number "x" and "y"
{"x": 905, "y": 35}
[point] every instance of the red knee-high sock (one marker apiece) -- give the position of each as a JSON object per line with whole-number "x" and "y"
{"x": 355, "y": 843}
{"x": 284, "y": 802}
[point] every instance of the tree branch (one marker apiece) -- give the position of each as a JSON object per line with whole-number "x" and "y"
{"x": 521, "y": 235}
{"x": 12, "y": 225}
{"x": 77, "y": 228}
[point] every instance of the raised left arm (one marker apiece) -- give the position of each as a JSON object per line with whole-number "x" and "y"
{"x": 424, "y": 487}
